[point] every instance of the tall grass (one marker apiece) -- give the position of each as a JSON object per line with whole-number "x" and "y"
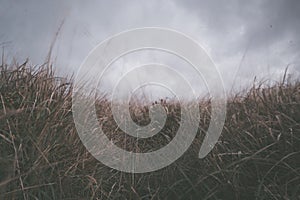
{"x": 42, "y": 157}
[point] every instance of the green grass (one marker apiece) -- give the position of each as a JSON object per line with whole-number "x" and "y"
{"x": 42, "y": 157}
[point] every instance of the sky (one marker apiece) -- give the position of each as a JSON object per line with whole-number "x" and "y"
{"x": 244, "y": 39}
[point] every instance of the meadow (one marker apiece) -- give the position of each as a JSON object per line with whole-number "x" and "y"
{"x": 42, "y": 157}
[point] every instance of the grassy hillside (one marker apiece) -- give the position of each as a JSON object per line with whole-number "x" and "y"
{"x": 42, "y": 157}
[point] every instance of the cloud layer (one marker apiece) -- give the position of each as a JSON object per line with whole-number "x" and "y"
{"x": 245, "y": 39}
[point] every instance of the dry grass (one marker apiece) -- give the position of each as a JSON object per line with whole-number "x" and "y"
{"x": 41, "y": 156}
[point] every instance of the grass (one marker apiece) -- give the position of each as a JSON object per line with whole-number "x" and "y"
{"x": 42, "y": 157}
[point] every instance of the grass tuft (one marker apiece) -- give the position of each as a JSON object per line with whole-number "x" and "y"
{"x": 42, "y": 157}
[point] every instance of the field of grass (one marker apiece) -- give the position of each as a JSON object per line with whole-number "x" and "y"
{"x": 42, "y": 157}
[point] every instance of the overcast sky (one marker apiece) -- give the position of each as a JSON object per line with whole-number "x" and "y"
{"x": 259, "y": 37}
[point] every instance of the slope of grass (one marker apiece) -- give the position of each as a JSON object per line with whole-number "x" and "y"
{"x": 42, "y": 157}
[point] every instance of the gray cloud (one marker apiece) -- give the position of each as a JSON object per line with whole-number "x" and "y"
{"x": 262, "y": 37}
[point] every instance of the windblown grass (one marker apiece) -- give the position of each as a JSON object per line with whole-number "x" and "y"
{"x": 42, "y": 157}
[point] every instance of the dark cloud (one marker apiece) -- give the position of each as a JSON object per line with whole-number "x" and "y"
{"x": 262, "y": 22}
{"x": 260, "y": 37}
